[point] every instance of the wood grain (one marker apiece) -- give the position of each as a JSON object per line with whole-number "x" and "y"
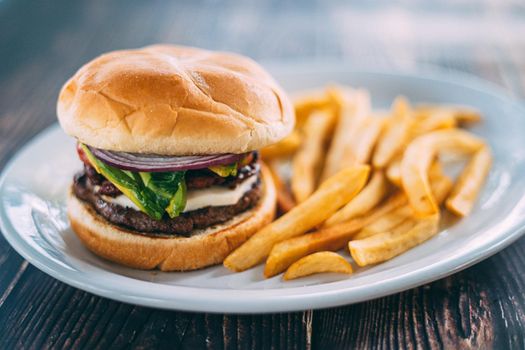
{"x": 470, "y": 309}
{"x": 42, "y": 43}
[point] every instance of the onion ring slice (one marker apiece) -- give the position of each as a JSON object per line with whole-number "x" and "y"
{"x": 158, "y": 163}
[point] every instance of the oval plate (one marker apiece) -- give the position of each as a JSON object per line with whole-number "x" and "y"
{"x": 33, "y": 188}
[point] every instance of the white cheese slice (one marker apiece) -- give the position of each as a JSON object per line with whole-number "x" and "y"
{"x": 196, "y": 199}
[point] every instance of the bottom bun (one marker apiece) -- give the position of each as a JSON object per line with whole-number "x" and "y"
{"x": 206, "y": 247}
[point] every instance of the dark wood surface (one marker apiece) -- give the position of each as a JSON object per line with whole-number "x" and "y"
{"x": 43, "y": 42}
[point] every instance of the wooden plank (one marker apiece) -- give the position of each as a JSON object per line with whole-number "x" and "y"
{"x": 482, "y": 307}
{"x": 42, "y": 312}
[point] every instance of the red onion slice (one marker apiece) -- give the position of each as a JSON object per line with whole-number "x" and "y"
{"x": 158, "y": 163}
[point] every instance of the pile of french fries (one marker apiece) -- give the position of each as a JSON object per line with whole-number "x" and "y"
{"x": 372, "y": 182}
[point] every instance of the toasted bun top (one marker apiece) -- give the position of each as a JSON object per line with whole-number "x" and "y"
{"x": 174, "y": 100}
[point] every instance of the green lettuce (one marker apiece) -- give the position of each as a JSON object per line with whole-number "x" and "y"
{"x": 170, "y": 188}
{"x": 178, "y": 201}
{"x": 153, "y": 193}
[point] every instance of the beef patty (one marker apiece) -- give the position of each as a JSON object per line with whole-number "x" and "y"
{"x": 184, "y": 225}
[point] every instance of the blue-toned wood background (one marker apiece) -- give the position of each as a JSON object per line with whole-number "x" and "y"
{"x": 43, "y": 42}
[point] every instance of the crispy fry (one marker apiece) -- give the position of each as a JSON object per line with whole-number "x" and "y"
{"x": 418, "y": 157}
{"x": 284, "y": 148}
{"x": 384, "y": 246}
{"x": 469, "y": 183}
{"x": 308, "y": 102}
{"x": 393, "y": 172}
{"x": 332, "y": 238}
{"x": 354, "y": 108}
{"x": 462, "y": 114}
{"x": 441, "y": 185}
{"x": 435, "y": 121}
{"x": 331, "y": 195}
{"x": 365, "y": 140}
{"x": 394, "y": 134}
{"x": 367, "y": 199}
{"x": 317, "y": 263}
{"x": 386, "y": 222}
{"x": 285, "y": 201}
{"x": 308, "y": 160}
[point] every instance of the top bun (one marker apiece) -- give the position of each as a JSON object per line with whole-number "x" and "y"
{"x": 174, "y": 100}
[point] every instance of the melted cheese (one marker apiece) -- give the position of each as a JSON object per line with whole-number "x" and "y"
{"x": 196, "y": 199}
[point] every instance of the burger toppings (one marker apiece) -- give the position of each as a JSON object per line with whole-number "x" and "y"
{"x": 161, "y": 194}
{"x": 224, "y": 170}
{"x": 119, "y": 213}
{"x": 156, "y": 163}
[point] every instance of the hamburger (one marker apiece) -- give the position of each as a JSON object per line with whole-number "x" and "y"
{"x": 168, "y": 137}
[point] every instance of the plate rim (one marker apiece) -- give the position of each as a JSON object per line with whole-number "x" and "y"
{"x": 277, "y": 300}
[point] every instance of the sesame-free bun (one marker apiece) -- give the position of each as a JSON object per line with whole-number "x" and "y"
{"x": 204, "y": 248}
{"x": 174, "y": 100}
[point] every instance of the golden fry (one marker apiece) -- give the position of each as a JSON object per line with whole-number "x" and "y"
{"x": 393, "y": 172}
{"x": 333, "y": 238}
{"x": 418, "y": 157}
{"x": 441, "y": 186}
{"x": 385, "y": 246}
{"x": 318, "y": 263}
{"x": 354, "y": 108}
{"x": 366, "y": 200}
{"x": 284, "y": 148}
{"x": 308, "y": 160}
{"x": 435, "y": 121}
{"x": 365, "y": 140}
{"x": 462, "y": 114}
{"x": 469, "y": 183}
{"x": 394, "y": 134}
{"x": 386, "y": 222}
{"x": 308, "y": 102}
{"x": 331, "y": 195}
{"x": 287, "y": 252}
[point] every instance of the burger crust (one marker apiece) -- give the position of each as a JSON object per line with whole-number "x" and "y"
{"x": 205, "y": 248}
{"x": 174, "y": 100}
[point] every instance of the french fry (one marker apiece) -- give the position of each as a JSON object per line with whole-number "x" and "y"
{"x": 393, "y": 172}
{"x": 394, "y": 134}
{"x": 435, "y": 121}
{"x": 365, "y": 140}
{"x": 285, "y": 201}
{"x": 287, "y": 252}
{"x": 469, "y": 183}
{"x": 441, "y": 185}
{"x": 331, "y": 195}
{"x": 384, "y": 246}
{"x": 317, "y": 263}
{"x": 284, "y": 148}
{"x": 462, "y": 114}
{"x": 419, "y": 155}
{"x": 367, "y": 199}
{"x": 386, "y": 222}
{"x": 332, "y": 238}
{"x": 354, "y": 106}
{"x": 308, "y": 102}
{"x": 308, "y": 160}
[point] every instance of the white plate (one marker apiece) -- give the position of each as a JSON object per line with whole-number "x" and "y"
{"x": 33, "y": 187}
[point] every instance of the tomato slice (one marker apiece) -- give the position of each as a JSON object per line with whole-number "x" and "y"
{"x": 82, "y": 155}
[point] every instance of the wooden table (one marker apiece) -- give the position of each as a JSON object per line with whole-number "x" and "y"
{"x": 41, "y": 45}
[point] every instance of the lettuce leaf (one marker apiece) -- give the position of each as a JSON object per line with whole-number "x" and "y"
{"x": 178, "y": 201}
{"x": 171, "y": 189}
{"x": 126, "y": 182}
{"x": 153, "y": 193}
